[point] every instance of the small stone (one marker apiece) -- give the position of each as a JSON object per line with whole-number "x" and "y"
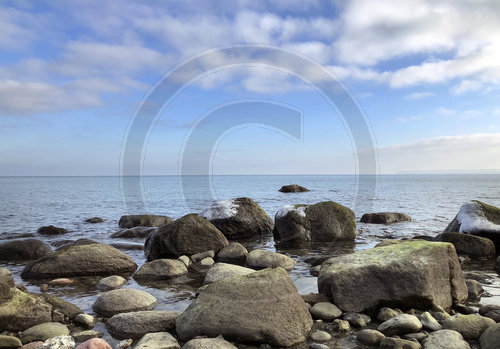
{"x": 32, "y": 345}
{"x": 43, "y": 332}
{"x": 202, "y": 255}
{"x": 158, "y": 340}
{"x": 419, "y": 336}
{"x": 44, "y": 288}
{"x": 400, "y": 324}
{"x": 126, "y": 343}
{"x": 111, "y": 283}
{"x": 61, "y": 282}
{"x": 325, "y": 311}
{"x": 85, "y": 320}
{"x": 161, "y": 269}
{"x": 94, "y": 220}
{"x": 315, "y": 270}
{"x": 341, "y": 325}
{"x": 429, "y": 322}
{"x": 385, "y": 314}
{"x": 9, "y": 342}
{"x": 313, "y": 298}
{"x": 83, "y": 336}
{"x": 261, "y": 259}
{"x": 207, "y": 262}
{"x": 185, "y": 260}
{"x": 318, "y": 346}
{"x": 94, "y": 343}
{"x": 398, "y": 343}
{"x": 59, "y": 342}
{"x": 223, "y": 270}
{"x": 370, "y": 337}
{"x": 474, "y": 289}
{"x": 321, "y": 336}
{"x": 357, "y": 319}
{"x": 208, "y": 343}
{"x": 234, "y": 253}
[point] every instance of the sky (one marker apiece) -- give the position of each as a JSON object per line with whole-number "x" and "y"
{"x": 425, "y": 74}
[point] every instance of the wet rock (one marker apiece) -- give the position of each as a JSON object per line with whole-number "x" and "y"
{"x": 293, "y": 188}
{"x": 384, "y": 218}
{"x": 464, "y": 309}
{"x": 51, "y": 230}
{"x": 144, "y": 220}
{"x": 325, "y": 311}
{"x": 398, "y": 343}
{"x": 135, "y": 232}
{"x": 161, "y": 269}
{"x": 317, "y": 346}
{"x": 202, "y": 255}
{"x": 208, "y": 343}
{"x": 112, "y": 282}
{"x": 386, "y": 313}
{"x": 9, "y": 342}
{"x": 223, "y": 270}
{"x": 59, "y": 342}
{"x": 85, "y": 321}
{"x": 370, "y": 337}
{"x": 158, "y": 340}
{"x": 137, "y": 324}
{"x": 477, "y": 218}
{"x": 230, "y": 307}
{"x": 313, "y": 298}
{"x": 469, "y": 326}
{"x": 185, "y": 260}
{"x": 445, "y": 339}
{"x": 28, "y": 249}
{"x": 419, "y": 273}
{"x": 324, "y": 221}
{"x": 123, "y": 301}
{"x": 341, "y": 325}
{"x": 188, "y": 235}
{"x": 321, "y": 336}
{"x": 94, "y": 343}
{"x": 356, "y": 319}
{"x": 239, "y": 218}
{"x": 234, "y": 253}
{"x": 43, "y": 332}
{"x": 94, "y": 220}
{"x": 490, "y": 310}
{"x": 490, "y": 339}
{"x": 127, "y": 246}
{"x": 82, "y": 336}
{"x": 62, "y": 282}
{"x": 82, "y": 258}
{"x": 400, "y": 324}
{"x": 475, "y": 290}
{"x": 126, "y": 343}
{"x": 471, "y": 245}
{"x": 429, "y": 322}
{"x": 61, "y": 306}
{"x": 261, "y": 259}
{"x": 207, "y": 262}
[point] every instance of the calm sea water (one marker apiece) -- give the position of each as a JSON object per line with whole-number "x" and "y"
{"x": 30, "y": 202}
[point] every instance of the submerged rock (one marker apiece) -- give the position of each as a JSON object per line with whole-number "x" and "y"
{"x": 324, "y": 221}
{"x": 123, "y": 301}
{"x": 135, "y": 232}
{"x": 161, "y": 269}
{"x": 144, "y": 220}
{"x": 471, "y": 245}
{"x": 188, "y": 235}
{"x": 239, "y": 218}
{"x": 261, "y": 259}
{"x": 407, "y": 274}
{"x": 94, "y": 220}
{"x": 293, "y": 188}
{"x": 234, "y": 253}
{"x": 81, "y": 258}
{"x": 27, "y": 249}
{"x": 137, "y": 324}
{"x": 477, "y": 218}
{"x": 51, "y": 230}
{"x": 384, "y": 218}
{"x": 261, "y": 307}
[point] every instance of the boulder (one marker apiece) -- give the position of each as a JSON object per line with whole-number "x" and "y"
{"x": 123, "y": 301}
{"x": 401, "y": 324}
{"x": 477, "y": 218}
{"x": 81, "y": 258}
{"x": 60, "y": 307}
{"x": 94, "y": 220}
{"x": 234, "y": 253}
{"x": 208, "y": 343}
{"x": 239, "y": 218}
{"x": 445, "y": 339}
{"x": 384, "y": 218}
{"x": 27, "y": 249}
{"x": 7, "y": 342}
{"x": 490, "y": 310}
{"x": 94, "y": 343}
{"x": 51, "y": 230}
{"x": 398, "y": 343}
{"x": 261, "y": 259}
{"x": 469, "y": 326}
{"x": 223, "y": 270}
{"x": 161, "y": 269}
{"x": 490, "y": 339}
{"x": 474, "y": 289}
{"x": 261, "y": 307}
{"x": 293, "y": 188}
{"x": 135, "y": 232}
{"x": 324, "y": 222}
{"x": 429, "y": 322}
{"x": 188, "y": 235}
{"x": 43, "y": 332}
{"x": 370, "y": 338}
{"x": 158, "y": 340}
{"x": 143, "y": 220}
{"x": 112, "y": 282}
{"x": 471, "y": 245}
{"x": 137, "y": 324}
{"x": 7, "y": 285}
{"x": 409, "y": 274}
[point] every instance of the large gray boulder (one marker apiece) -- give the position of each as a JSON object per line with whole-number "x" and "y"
{"x": 188, "y": 235}
{"x": 261, "y": 307}
{"x": 143, "y": 220}
{"x": 471, "y": 245}
{"x": 239, "y": 218}
{"x": 325, "y": 221}
{"x": 384, "y": 218}
{"x": 81, "y": 258}
{"x": 27, "y": 249}
{"x": 161, "y": 269}
{"x": 123, "y": 301}
{"x": 490, "y": 339}
{"x": 445, "y": 339}
{"x": 407, "y": 274}
{"x": 136, "y": 324}
{"x": 477, "y": 218}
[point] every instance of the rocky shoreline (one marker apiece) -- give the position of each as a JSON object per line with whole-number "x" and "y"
{"x": 410, "y": 293}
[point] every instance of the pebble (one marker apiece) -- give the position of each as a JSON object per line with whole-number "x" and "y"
{"x": 85, "y": 320}
{"x": 429, "y": 322}
{"x": 370, "y": 337}
{"x": 111, "y": 283}
{"x": 207, "y": 262}
{"x": 321, "y": 336}
{"x": 325, "y": 311}
{"x": 341, "y": 325}
{"x": 83, "y": 336}
{"x": 61, "y": 282}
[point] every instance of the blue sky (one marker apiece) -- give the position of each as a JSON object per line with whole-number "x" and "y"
{"x": 425, "y": 73}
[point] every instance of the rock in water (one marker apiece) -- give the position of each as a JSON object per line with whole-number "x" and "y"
{"x": 112, "y": 282}
{"x": 239, "y": 218}
{"x": 188, "y": 235}
{"x": 471, "y": 245}
{"x": 445, "y": 339}
{"x": 28, "y": 249}
{"x": 208, "y": 343}
{"x": 261, "y": 259}
{"x": 143, "y": 220}
{"x": 135, "y": 232}
{"x": 293, "y": 188}
{"x": 262, "y": 307}
{"x": 408, "y": 274}
{"x": 324, "y": 221}
{"x": 137, "y": 324}
{"x": 477, "y": 218}
{"x": 161, "y": 269}
{"x": 51, "y": 230}
{"x": 123, "y": 301}
{"x": 94, "y": 220}
{"x": 234, "y": 253}
{"x": 384, "y": 218}
{"x": 81, "y": 258}
{"x": 158, "y": 340}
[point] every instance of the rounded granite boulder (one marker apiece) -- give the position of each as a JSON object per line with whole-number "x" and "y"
{"x": 123, "y": 301}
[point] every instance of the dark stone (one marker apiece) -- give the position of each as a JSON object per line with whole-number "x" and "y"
{"x": 293, "y": 188}
{"x": 144, "y": 220}
{"x": 23, "y": 250}
{"x": 384, "y": 218}
{"x": 51, "y": 230}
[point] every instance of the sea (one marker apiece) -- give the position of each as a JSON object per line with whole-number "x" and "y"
{"x": 28, "y": 203}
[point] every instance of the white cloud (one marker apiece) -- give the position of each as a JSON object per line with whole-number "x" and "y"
{"x": 419, "y": 95}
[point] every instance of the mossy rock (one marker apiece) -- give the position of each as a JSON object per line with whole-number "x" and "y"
{"x": 22, "y": 311}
